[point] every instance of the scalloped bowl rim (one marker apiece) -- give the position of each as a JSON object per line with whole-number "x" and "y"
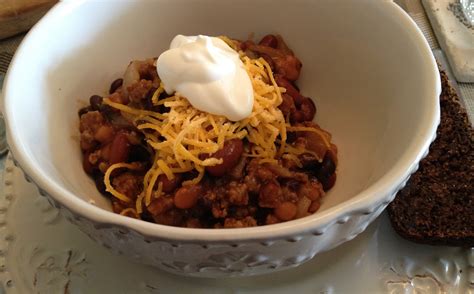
{"x": 364, "y": 202}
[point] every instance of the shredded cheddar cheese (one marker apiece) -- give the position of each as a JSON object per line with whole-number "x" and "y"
{"x": 183, "y": 135}
{"x": 108, "y": 185}
{"x": 129, "y": 210}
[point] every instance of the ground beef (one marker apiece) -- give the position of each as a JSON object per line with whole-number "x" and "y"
{"x": 148, "y": 72}
{"x": 89, "y": 124}
{"x": 160, "y": 205}
{"x": 240, "y": 223}
{"x": 239, "y": 192}
{"x": 128, "y": 184}
{"x": 249, "y": 194}
{"x": 138, "y": 90}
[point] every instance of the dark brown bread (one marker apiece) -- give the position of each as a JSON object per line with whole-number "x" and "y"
{"x": 437, "y": 205}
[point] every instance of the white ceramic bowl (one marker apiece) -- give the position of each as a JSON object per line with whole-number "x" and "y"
{"x": 366, "y": 64}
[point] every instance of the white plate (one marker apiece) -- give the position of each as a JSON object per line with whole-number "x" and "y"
{"x": 40, "y": 252}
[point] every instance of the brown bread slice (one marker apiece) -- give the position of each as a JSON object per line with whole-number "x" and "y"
{"x": 437, "y": 205}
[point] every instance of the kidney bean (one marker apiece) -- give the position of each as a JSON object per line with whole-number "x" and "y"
{"x": 120, "y": 148}
{"x": 287, "y": 106}
{"x": 230, "y": 155}
{"x": 269, "y": 60}
{"x": 115, "y": 85}
{"x": 243, "y": 46}
{"x": 168, "y": 185}
{"x": 187, "y": 197}
{"x": 289, "y": 66}
{"x": 315, "y": 205}
{"x": 269, "y": 41}
{"x": 299, "y": 100}
{"x": 286, "y": 64}
{"x": 290, "y": 88}
{"x": 286, "y": 211}
{"x": 308, "y": 109}
{"x": 296, "y": 116}
{"x": 95, "y": 102}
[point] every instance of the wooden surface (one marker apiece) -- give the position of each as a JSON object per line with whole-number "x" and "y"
{"x": 17, "y": 16}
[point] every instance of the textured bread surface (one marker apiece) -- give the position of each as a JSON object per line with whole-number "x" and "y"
{"x": 437, "y": 204}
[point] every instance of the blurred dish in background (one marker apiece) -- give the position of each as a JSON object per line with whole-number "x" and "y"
{"x": 468, "y": 10}
{"x": 17, "y": 16}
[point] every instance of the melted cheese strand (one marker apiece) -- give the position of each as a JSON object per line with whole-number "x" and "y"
{"x": 108, "y": 186}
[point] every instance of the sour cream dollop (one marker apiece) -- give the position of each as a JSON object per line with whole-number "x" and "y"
{"x": 209, "y": 74}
